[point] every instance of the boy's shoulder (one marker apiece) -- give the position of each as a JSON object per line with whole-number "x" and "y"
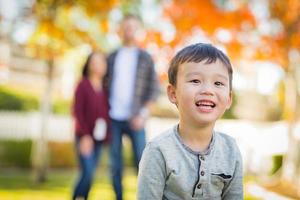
{"x": 226, "y": 144}
{"x": 223, "y": 137}
{"x": 163, "y": 139}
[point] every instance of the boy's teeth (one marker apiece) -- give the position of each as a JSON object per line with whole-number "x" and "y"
{"x": 206, "y": 104}
{"x": 199, "y": 103}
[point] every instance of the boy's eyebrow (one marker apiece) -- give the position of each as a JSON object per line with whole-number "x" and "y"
{"x": 193, "y": 73}
{"x": 199, "y": 73}
{"x": 222, "y": 76}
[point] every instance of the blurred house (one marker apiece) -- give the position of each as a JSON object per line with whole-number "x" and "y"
{"x": 21, "y": 72}
{"x": 257, "y": 88}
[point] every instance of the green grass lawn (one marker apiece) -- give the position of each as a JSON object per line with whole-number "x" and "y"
{"x": 19, "y": 185}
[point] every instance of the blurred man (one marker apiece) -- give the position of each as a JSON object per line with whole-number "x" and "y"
{"x": 133, "y": 86}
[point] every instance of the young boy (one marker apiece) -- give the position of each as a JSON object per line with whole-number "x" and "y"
{"x": 191, "y": 160}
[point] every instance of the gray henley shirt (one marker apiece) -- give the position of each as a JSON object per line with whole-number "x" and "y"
{"x": 169, "y": 170}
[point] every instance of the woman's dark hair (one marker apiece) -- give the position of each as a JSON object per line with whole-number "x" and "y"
{"x": 85, "y": 69}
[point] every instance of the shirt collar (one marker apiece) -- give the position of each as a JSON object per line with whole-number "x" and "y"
{"x": 206, "y": 152}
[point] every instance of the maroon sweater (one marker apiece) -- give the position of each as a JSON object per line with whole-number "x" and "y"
{"x": 88, "y": 106}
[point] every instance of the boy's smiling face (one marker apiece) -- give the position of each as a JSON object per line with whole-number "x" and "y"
{"x": 202, "y": 92}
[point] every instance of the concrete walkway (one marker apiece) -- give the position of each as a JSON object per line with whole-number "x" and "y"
{"x": 263, "y": 194}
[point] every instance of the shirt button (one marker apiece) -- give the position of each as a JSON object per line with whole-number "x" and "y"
{"x": 202, "y": 158}
{"x": 202, "y": 173}
{"x": 199, "y": 186}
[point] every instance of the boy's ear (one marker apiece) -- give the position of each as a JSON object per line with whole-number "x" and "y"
{"x": 229, "y": 100}
{"x": 171, "y": 94}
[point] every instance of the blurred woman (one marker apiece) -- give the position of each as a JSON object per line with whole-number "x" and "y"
{"x": 90, "y": 111}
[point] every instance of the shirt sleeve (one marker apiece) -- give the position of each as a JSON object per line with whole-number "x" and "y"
{"x": 152, "y": 174}
{"x": 234, "y": 190}
{"x": 79, "y": 103}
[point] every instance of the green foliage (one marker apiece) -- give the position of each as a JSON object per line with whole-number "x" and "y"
{"x": 229, "y": 114}
{"x": 61, "y": 154}
{"x": 17, "y": 101}
{"x": 61, "y": 106}
{"x": 15, "y": 153}
{"x": 130, "y": 7}
{"x": 277, "y": 163}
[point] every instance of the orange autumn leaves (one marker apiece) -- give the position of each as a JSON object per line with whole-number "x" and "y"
{"x": 190, "y": 16}
{"x": 186, "y": 16}
{"x": 205, "y": 14}
{"x": 287, "y": 13}
{"x": 65, "y": 24}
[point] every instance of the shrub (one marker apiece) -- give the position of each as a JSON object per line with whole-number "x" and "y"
{"x": 61, "y": 106}
{"x": 277, "y": 163}
{"x": 13, "y": 100}
{"x": 17, "y": 101}
{"x": 15, "y": 153}
{"x": 61, "y": 154}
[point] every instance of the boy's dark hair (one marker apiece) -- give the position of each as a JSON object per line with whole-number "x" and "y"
{"x": 197, "y": 53}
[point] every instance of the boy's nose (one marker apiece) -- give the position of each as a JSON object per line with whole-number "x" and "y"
{"x": 206, "y": 90}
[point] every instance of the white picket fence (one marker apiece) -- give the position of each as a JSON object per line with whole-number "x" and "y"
{"x": 16, "y": 125}
{"x": 257, "y": 141}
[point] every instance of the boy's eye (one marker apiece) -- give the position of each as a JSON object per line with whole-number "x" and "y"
{"x": 194, "y": 81}
{"x": 218, "y": 83}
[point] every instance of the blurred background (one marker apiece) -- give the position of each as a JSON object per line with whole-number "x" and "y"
{"x": 43, "y": 44}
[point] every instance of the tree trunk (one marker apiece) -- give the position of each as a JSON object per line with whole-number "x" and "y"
{"x": 40, "y": 146}
{"x": 290, "y": 170}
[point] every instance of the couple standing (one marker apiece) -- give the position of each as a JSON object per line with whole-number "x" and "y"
{"x": 113, "y": 96}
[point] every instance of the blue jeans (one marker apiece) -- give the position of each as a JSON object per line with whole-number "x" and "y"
{"x": 138, "y": 140}
{"x": 88, "y": 165}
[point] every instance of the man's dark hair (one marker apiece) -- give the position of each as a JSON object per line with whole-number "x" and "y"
{"x": 197, "y": 53}
{"x": 131, "y": 16}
